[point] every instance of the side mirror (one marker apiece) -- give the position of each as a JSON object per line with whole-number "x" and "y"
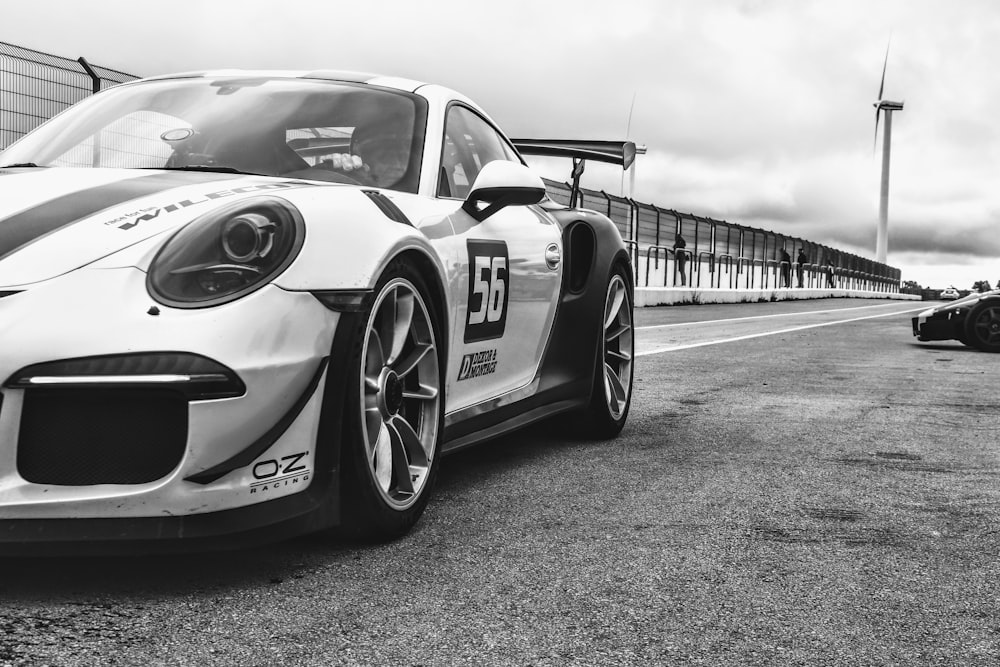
{"x": 501, "y": 183}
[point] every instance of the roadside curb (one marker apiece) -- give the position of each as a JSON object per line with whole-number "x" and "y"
{"x": 669, "y": 296}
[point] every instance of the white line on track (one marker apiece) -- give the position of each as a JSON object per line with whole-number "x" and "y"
{"x": 675, "y": 348}
{"x": 760, "y": 317}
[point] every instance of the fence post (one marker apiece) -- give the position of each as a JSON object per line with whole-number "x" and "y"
{"x": 607, "y": 198}
{"x": 95, "y": 88}
{"x": 94, "y": 78}
{"x": 657, "y": 242}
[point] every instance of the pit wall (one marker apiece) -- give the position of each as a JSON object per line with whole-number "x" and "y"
{"x": 660, "y": 284}
{"x": 673, "y": 296}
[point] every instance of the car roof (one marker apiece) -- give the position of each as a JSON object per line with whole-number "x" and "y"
{"x": 398, "y": 83}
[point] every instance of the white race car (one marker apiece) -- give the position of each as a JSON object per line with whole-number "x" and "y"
{"x": 238, "y": 306}
{"x": 950, "y": 294}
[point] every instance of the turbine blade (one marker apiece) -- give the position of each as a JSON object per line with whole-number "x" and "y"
{"x": 881, "y": 86}
{"x": 878, "y": 110}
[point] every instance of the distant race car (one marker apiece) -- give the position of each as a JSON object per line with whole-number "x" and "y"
{"x": 949, "y": 293}
{"x": 973, "y": 320}
{"x": 238, "y": 306}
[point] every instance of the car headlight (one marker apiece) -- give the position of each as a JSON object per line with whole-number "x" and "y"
{"x": 226, "y": 254}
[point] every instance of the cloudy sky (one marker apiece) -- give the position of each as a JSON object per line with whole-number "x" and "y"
{"x": 756, "y": 111}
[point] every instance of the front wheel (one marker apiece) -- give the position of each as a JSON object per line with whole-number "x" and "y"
{"x": 393, "y": 410}
{"x": 982, "y": 326}
{"x": 611, "y": 396}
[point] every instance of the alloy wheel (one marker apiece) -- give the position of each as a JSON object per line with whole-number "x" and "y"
{"x": 400, "y": 393}
{"x": 986, "y": 326}
{"x": 618, "y": 345}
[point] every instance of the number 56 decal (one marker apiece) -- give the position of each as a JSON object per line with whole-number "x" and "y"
{"x": 489, "y": 283}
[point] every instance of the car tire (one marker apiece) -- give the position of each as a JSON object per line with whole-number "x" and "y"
{"x": 611, "y": 395}
{"x": 982, "y": 326}
{"x": 394, "y": 409}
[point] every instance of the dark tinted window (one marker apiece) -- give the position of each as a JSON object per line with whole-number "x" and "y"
{"x": 469, "y": 144}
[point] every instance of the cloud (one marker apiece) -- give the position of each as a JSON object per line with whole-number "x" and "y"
{"x": 757, "y": 112}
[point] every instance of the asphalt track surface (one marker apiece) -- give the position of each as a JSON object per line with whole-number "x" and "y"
{"x": 798, "y": 483}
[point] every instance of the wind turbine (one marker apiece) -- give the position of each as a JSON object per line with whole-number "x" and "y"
{"x": 882, "y": 238}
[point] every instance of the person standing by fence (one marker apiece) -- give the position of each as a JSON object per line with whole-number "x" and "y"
{"x": 786, "y": 268}
{"x": 800, "y": 266}
{"x": 680, "y": 257}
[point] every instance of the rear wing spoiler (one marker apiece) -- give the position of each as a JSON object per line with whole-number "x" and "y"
{"x": 613, "y": 152}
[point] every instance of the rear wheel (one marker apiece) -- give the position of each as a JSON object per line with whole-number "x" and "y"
{"x": 982, "y": 326}
{"x": 393, "y": 410}
{"x": 612, "y": 392}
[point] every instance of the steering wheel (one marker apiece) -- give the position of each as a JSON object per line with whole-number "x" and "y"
{"x": 188, "y": 148}
{"x": 348, "y": 165}
{"x": 335, "y": 175}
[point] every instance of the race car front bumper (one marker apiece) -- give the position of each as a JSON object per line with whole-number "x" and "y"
{"x": 97, "y": 465}
{"x": 936, "y": 327}
{"x": 312, "y": 510}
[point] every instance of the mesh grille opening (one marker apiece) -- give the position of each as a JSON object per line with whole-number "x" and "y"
{"x": 82, "y": 437}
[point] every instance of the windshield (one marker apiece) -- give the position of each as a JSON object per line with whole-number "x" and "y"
{"x": 299, "y": 128}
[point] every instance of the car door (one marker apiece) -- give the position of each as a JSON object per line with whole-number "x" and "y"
{"x": 504, "y": 289}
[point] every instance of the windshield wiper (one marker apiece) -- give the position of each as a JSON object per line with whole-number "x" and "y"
{"x": 19, "y": 164}
{"x": 218, "y": 168}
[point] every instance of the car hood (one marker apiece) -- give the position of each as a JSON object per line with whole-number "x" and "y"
{"x": 55, "y": 220}
{"x": 959, "y": 303}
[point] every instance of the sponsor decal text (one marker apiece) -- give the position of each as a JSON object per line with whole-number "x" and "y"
{"x": 274, "y": 474}
{"x": 478, "y": 364}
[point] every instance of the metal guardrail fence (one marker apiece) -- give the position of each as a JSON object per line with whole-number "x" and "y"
{"x": 719, "y": 253}
{"x": 34, "y": 86}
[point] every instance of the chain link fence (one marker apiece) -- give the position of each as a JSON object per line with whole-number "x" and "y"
{"x": 34, "y": 86}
